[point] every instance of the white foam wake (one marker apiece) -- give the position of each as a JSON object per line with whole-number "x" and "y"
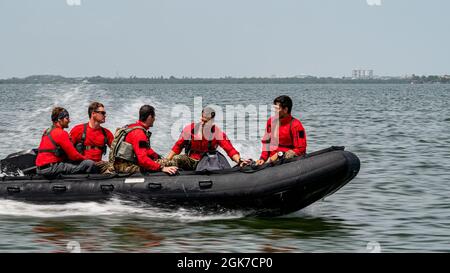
{"x": 113, "y": 207}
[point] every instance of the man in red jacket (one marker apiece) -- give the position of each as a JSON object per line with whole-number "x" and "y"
{"x": 91, "y": 139}
{"x": 144, "y": 157}
{"x": 197, "y": 139}
{"x": 284, "y": 133}
{"x": 56, "y": 149}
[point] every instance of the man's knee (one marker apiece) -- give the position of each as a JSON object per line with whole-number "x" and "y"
{"x": 185, "y": 162}
{"x": 88, "y": 163}
{"x": 125, "y": 167}
{"x": 105, "y": 167}
{"x": 88, "y": 166}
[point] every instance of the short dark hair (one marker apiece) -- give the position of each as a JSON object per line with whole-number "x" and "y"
{"x": 284, "y": 101}
{"x": 57, "y": 112}
{"x": 93, "y": 107}
{"x": 145, "y": 111}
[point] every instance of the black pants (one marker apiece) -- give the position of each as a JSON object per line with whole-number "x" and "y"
{"x": 86, "y": 166}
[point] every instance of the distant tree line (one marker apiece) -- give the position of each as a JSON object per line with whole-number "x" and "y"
{"x": 51, "y": 79}
{"x": 430, "y": 79}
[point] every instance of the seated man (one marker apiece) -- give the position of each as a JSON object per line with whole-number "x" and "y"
{"x": 198, "y": 139}
{"x": 56, "y": 149}
{"x": 91, "y": 139}
{"x": 131, "y": 151}
{"x": 284, "y": 133}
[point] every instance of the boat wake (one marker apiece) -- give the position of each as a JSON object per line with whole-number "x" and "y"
{"x": 113, "y": 207}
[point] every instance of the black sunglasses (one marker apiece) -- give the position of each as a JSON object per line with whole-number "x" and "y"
{"x": 101, "y": 112}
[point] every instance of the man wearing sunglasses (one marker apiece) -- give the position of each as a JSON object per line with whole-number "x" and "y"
{"x": 56, "y": 153}
{"x": 91, "y": 139}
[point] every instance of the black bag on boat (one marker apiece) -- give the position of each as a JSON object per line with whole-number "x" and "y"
{"x": 212, "y": 161}
{"x": 23, "y": 161}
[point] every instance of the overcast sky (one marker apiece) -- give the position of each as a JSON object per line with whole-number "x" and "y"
{"x": 212, "y": 38}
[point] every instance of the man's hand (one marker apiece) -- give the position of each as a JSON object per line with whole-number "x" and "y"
{"x": 290, "y": 154}
{"x": 170, "y": 170}
{"x": 273, "y": 158}
{"x": 244, "y": 162}
{"x": 259, "y": 162}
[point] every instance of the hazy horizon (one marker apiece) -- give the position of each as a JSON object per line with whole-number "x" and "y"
{"x": 214, "y": 77}
{"x": 212, "y": 39}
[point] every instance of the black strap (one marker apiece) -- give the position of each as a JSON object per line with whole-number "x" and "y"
{"x": 149, "y": 135}
{"x": 83, "y": 138}
{"x": 105, "y": 143}
{"x": 188, "y": 142}
{"x": 49, "y": 134}
{"x": 212, "y": 149}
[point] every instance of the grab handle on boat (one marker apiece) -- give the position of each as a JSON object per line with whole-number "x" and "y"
{"x": 154, "y": 186}
{"x": 13, "y": 189}
{"x": 205, "y": 184}
{"x": 107, "y": 188}
{"x": 59, "y": 189}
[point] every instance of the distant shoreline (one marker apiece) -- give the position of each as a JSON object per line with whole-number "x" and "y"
{"x": 51, "y": 79}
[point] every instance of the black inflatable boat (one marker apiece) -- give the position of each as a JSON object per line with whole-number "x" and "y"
{"x": 265, "y": 190}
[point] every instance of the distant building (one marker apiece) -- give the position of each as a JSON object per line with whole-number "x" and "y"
{"x": 362, "y": 74}
{"x": 303, "y": 76}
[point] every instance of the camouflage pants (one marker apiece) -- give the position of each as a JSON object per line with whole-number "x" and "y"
{"x": 185, "y": 162}
{"x": 122, "y": 166}
{"x": 104, "y": 167}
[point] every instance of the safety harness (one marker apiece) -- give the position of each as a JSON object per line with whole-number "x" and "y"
{"x": 81, "y": 147}
{"x": 58, "y": 151}
{"x": 188, "y": 142}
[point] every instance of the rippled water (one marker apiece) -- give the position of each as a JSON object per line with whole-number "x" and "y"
{"x": 399, "y": 202}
